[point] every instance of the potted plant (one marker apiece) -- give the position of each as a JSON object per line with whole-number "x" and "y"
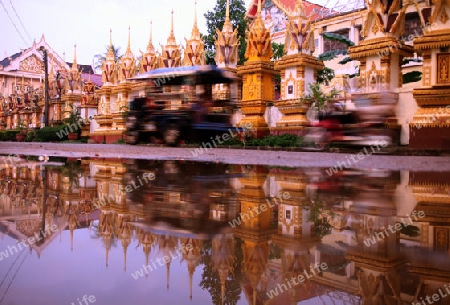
{"x": 73, "y": 121}
{"x": 23, "y": 130}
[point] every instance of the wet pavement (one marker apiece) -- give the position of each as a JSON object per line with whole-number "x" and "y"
{"x": 134, "y": 231}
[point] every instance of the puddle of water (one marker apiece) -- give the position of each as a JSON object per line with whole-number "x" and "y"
{"x": 175, "y": 232}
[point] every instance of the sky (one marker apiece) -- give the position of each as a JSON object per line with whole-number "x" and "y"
{"x": 87, "y": 24}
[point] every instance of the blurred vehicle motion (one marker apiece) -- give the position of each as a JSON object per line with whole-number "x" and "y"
{"x": 185, "y": 197}
{"x": 181, "y": 106}
{"x": 364, "y": 126}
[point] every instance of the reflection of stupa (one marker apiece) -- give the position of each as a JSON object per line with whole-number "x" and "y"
{"x": 223, "y": 259}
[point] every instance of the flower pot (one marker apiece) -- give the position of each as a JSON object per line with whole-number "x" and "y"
{"x": 72, "y": 136}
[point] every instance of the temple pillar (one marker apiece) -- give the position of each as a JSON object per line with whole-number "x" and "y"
{"x": 258, "y": 77}
{"x": 298, "y": 70}
{"x": 430, "y": 127}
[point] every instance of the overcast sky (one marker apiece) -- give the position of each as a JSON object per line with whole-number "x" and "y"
{"x": 86, "y": 23}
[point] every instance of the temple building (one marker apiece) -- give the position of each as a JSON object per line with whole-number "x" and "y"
{"x": 22, "y": 97}
{"x": 388, "y": 41}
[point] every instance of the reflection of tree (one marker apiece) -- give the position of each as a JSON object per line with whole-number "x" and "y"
{"x": 320, "y": 214}
{"x": 211, "y": 281}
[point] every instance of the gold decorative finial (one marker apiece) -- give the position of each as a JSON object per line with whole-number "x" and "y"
{"x": 227, "y": 10}
{"x": 259, "y": 7}
{"x": 110, "y": 38}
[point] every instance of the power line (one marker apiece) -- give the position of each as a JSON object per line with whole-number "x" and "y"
{"x": 20, "y": 20}
{"x": 12, "y": 280}
{"x": 17, "y": 257}
{"x": 10, "y": 19}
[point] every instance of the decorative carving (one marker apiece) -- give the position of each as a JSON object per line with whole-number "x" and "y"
{"x": 444, "y": 16}
{"x": 443, "y": 68}
{"x": 441, "y": 238}
{"x": 32, "y": 64}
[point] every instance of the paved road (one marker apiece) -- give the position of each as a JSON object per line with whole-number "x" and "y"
{"x": 232, "y": 156}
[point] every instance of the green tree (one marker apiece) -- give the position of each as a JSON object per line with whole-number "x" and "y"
{"x": 211, "y": 280}
{"x": 216, "y": 18}
{"x": 319, "y": 99}
{"x": 99, "y": 58}
{"x": 278, "y": 50}
{"x": 325, "y": 75}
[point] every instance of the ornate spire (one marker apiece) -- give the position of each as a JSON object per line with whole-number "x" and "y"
{"x": 170, "y": 55}
{"x": 128, "y": 53}
{"x": 149, "y": 58}
{"x": 259, "y": 46}
{"x": 195, "y": 31}
{"x": 110, "y": 55}
{"x": 298, "y": 35}
{"x": 74, "y": 64}
{"x": 194, "y": 54}
{"x": 128, "y": 63}
{"x": 150, "y": 40}
{"x": 227, "y": 43}
{"x": 171, "y": 41}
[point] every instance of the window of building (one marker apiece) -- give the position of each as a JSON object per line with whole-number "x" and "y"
{"x": 288, "y": 214}
{"x": 413, "y": 27}
{"x": 329, "y": 45}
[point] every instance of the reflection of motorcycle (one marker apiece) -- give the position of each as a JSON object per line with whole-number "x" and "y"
{"x": 356, "y": 128}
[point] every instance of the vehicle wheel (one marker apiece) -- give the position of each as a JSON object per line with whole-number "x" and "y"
{"x": 171, "y": 135}
{"x": 132, "y": 137}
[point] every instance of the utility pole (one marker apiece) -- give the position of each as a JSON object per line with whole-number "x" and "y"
{"x": 45, "y": 58}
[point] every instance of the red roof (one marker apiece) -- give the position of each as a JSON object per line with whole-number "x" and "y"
{"x": 95, "y": 78}
{"x": 286, "y": 6}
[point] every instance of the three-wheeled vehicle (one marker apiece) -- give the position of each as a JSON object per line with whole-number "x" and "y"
{"x": 180, "y": 105}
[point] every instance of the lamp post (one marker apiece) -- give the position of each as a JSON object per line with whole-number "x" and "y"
{"x": 45, "y": 58}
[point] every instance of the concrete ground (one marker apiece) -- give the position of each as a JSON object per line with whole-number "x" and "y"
{"x": 366, "y": 159}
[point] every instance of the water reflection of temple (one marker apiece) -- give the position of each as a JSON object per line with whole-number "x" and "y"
{"x": 325, "y": 219}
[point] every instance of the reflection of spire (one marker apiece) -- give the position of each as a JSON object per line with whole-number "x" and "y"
{"x": 168, "y": 274}
{"x": 124, "y": 258}
{"x": 107, "y": 246}
{"x": 191, "y": 274}
{"x": 71, "y": 240}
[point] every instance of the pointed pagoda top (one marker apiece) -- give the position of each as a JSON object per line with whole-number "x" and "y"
{"x": 74, "y": 64}
{"x": 128, "y": 54}
{"x": 259, "y": 39}
{"x": 110, "y": 55}
{"x": 195, "y": 31}
{"x": 171, "y": 41}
